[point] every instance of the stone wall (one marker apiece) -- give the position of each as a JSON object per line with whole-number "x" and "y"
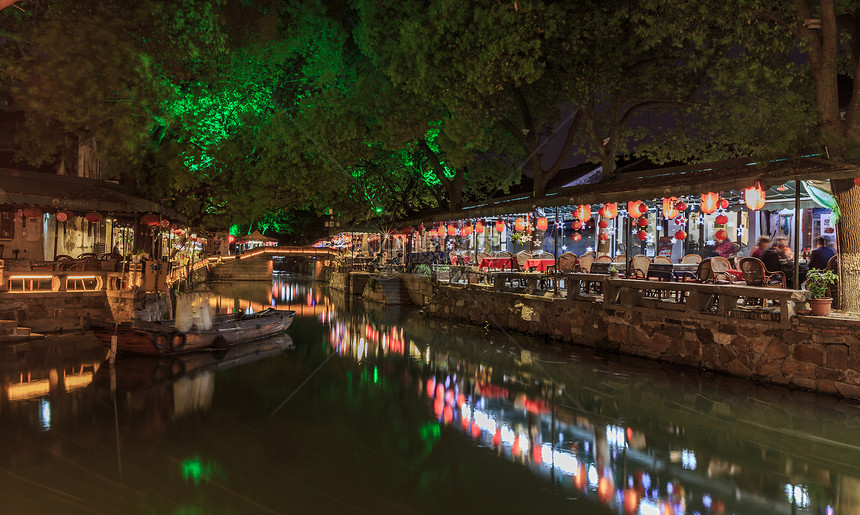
{"x": 53, "y": 312}
{"x": 257, "y": 268}
{"x": 814, "y": 353}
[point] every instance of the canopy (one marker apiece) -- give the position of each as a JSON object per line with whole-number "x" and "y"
{"x": 66, "y": 192}
{"x": 256, "y": 236}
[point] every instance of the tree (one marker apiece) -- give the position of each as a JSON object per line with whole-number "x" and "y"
{"x": 829, "y": 36}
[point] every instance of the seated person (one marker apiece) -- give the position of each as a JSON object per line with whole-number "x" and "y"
{"x": 763, "y": 244}
{"x": 783, "y": 249}
{"x": 726, "y": 248}
{"x": 821, "y": 255}
{"x": 770, "y": 257}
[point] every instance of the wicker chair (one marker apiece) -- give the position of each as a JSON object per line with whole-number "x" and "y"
{"x": 662, "y": 259}
{"x": 639, "y": 266}
{"x": 585, "y": 263}
{"x": 542, "y": 254}
{"x": 621, "y": 258}
{"x": 721, "y": 267}
{"x": 522, "y": 257}
{"x": 706, "y": 273}
{"x": 567, "y": 262}
{"x": 755, "y": 274}
{"x": 691, "y": 259}
{"x": 603, "y": 258}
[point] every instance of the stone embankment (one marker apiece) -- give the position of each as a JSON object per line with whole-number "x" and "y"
{"x": 816, "y": 353}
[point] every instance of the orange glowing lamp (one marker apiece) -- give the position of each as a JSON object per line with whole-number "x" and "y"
{"x": 519, "y": 224}
{"x": 610, "y": 210}
{"x": 710, "y": 202}
{"x": 452, "y": 231}
{"x": 583, "y": 212}
{"x": 541, "y": 223}
{"x": 479, "y": 226}
{"x": 669, "y": 209}
{"x": 467, "y": 231}
{"x": 500, "y": 226}
{"x": 754, "y": 197}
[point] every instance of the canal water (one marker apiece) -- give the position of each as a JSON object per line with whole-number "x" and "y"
{"x": 360, "y": 409}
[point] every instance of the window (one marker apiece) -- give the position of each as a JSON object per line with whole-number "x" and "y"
{"x": 7, "y": 224}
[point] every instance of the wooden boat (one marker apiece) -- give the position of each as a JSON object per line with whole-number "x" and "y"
{"x": 163, "y": 339}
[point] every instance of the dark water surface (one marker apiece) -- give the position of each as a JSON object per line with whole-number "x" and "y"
{"x": 367, "y": 410}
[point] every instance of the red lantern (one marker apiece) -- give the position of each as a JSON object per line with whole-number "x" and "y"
{"x": 452, "y": 231}
{"x": 669, "y": 209}
{"x": 754, "y": 197}
{"x": 93, "y": 217}
{"x": 722, "y": 219}
{"x": 680, "y": 206}
{"x": 603, "y": 236}
{"x": 62, "y": 216}
{"x": 479, "y": 226}
{"x": 583, "y": 212}
{"x": 432, "y": 233}
{"x": 642, "y": 235}
{"x": 165, "y": 223}
{"x": 541, "y": 224}
{"x": 709, "y": 202}
{"x": 500, "y": 226}
{"x": 605, "y": 489}
{"x": 721, "y": 235}
{"x": 519, "y": 224}
{"x": 576, "y": 236}
{"x": 603, "y": 224}
{"x": 856, "y": 181}
{"x": 147, "y": 219}
{"x": 441, "y": 230}
{"x": 576, "y": 225}
{"x": 642, "y": 222}
{"x": 633, "y": 208}
{"x": 723, "y": 204}
{"x": 680, "y": 235}
{"x": 610, "y": 210}
{"x": 467, "y": 231}
{"x": 32, "y": 212}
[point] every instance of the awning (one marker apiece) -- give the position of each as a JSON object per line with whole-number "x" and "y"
{"x": 55, "y": 192}
{"x": 256, "y": 236}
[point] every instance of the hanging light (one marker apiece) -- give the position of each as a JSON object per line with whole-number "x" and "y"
{"x": 452, "y": 231}
{"x": 64, "y": 215}
{"x": 669, "y": 209}
{"x": 610, "y": 210}
{"x": 441, "y": 230}
{"x": 642, "y": 235}
{"x": 32, "y": 212}
{"x": 576, "y": 236}
{"x": 519, "y": 224}
{"x": 721, "y": 235}
{"x": 642, "y": 222}
{"x": 466, "y": 231}
{"x": 723, "y": 204}
{"x": 432, "y": 233}
{"x": 754, "y": 197}
{"x": 576, "y": 225}
{"x": 603, "y": 224}
{"x": 500, "y": 226}
{"x": 709, "y": 202}
{"x": 680, "y": 235}
{"x": 681, "y": 206}
{"x": 479, "y": 226}
{"x": 541, "y": 223}
{"x": 93, "y": 217}
{"x": 583, "y": 212}
{"x": 721, "y": 219}
{"x": 603, "y": 236}
{"x": 636, "y": 208}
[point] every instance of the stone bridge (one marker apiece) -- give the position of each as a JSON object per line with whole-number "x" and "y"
{"x": 256, "y": 264}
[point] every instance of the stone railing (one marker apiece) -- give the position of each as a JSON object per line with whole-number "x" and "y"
{"x": 66, "y": 281}
{"x": 726, "y": 300}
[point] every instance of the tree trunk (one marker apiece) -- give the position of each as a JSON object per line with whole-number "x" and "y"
{"x": 848, "y": 232}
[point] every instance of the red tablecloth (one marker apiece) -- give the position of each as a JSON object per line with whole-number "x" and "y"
{"x": 737, "y": 274}
{"x": 459, "y": 260}
{"x": 539, "y": 264}
{"x": 496, "y": 262}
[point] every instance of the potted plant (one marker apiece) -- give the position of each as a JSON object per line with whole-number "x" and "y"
{"x": 138, "y": 255}
{"x": 817, "y": 282}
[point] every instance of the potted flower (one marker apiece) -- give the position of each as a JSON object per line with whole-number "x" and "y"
{"x": 817, "y": 282}
{"x": 613, "y": 272}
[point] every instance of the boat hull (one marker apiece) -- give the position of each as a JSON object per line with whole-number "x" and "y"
{"x": 163, "y": 339}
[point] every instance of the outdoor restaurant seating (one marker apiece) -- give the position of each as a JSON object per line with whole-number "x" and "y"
{"x": 755, "y": 274}
{"x": 604, "y": 258}
{"x": 691, "y": 259}
{"x": 639, "y": 266}
{"x": 662, "y": 259}
{"x": 567, "y": 262}
{"x": 585, "y": 262}
{"x": 621, "y": 258}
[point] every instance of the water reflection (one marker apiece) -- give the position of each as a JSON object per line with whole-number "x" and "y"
{"x": 383, "y": 410}
{"x": 630, "y": 438}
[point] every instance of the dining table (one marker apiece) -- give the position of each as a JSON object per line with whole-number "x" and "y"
{"x": 539, "y": 264}
{"x": 497, "y": 262}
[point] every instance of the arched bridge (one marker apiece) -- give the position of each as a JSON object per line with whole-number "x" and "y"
{"x": 256, "y": 264}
